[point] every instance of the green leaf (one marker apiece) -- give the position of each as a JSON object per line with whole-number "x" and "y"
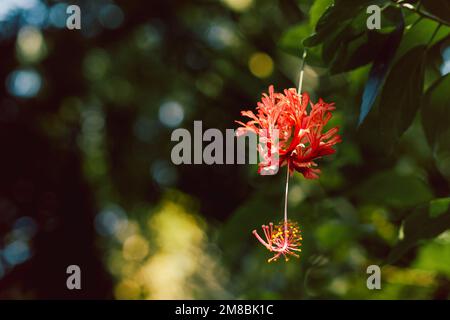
{"x": 291, "y": 42}
{"x": 357, "y": 52}
{"x": 394, "y": 190}
{"x": 336, "y": 44}
{"x": 421, "y": 34}
{"x": 439, "y": 206}
{"x": 362, "y": 46}
{"x": 434, "y": 256}
{"x": 333, "y": 22}
{"x": 439, "y": 8}
{"x": 435, "y": 121}
{"x": 342, "y": 32}
{"x": 402, "y": 94}
{"x": 436, "y": 111}
{"x": 381, "y": 63}
{"x": 420, "y": 225}
{"x": 317, "y": 9}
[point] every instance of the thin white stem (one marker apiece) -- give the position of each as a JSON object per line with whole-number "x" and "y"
{"x": 286, "y": 195}
{"x": 300, "y": 83}
{"x": 300, "y": 80}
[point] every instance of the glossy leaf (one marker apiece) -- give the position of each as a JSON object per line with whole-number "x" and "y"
{"x": 380, "y": 68}
{"x": 421, "y": 224}
{"x": 317, "y": 9}
{"x": 358, "y": 52}
{"x": 394, "y": 190}
{"x": 291, "y": 42}
{"x": 420, "y": 34}
{"x": 435, "y": 121}
{"x": 402, "y": 94}
{"x": 333, "y": 21}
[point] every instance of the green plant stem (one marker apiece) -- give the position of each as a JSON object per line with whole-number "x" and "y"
{"x": 421, "y": 13}
{"x": 415, "y": 22}
{"x": 434, "y": 34}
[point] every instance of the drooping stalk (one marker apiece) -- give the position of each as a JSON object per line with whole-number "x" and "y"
{"x": 300, "y": 83}
{"x": 286, "y": 197}
{"x": 302, "y": 67}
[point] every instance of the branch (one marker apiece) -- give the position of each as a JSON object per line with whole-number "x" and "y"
{"x": 421, "y": 13}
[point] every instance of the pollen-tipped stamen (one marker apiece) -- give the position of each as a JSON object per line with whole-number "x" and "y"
{"x": 283, "y": 239}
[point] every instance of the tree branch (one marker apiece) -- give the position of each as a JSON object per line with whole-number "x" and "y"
{"x": 421, "y": 13}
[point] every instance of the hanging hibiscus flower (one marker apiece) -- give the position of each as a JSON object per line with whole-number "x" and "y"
{"x": 301, "y": 141}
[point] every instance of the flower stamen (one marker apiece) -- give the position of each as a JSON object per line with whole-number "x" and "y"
{"x": 284, "y": 239}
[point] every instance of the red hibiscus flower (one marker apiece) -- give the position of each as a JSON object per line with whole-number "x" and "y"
{"x": 302, "y": 139}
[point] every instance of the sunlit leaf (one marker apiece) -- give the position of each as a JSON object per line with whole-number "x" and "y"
{"x": 420, "y": 34}
{"x": 317, "y": 9}
{"x": 394, "y": 190}
{"x": 434, "y": 256}
{"x": 291, "y": 42}
{"x": 419, "y": 225}
{"x": 439, "y": 206}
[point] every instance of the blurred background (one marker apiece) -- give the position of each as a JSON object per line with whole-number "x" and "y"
{"x": 86, "y": 177}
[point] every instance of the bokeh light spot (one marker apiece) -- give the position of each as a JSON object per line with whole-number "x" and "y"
{"x": 260, "y": 65}
{"x": 220, "y": 35}
{"x": 127, "y": 290}
{"x": 24, "y": 83}
{"x": 163, "y": 173}
{"x": 147, "y": 37}
{"x": 30, "y": 44}
{"x": 96, "y": 64}
{"x": 9, "y": 6}
{"x": 111, "y": 220}
{"x": 17, "y": 252}
{"x": 211, "y": 84}
{"x": 171, "y": 114}
{"x": 24, "y": 228}
{"x": 135, "y": 248}
{"x": 238, "y": 5}
{"x": 111, "y": 16}
{"x": 58, "y": 15}
{"x": 37, "y": 15}
{"x": 445, "y": 67}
